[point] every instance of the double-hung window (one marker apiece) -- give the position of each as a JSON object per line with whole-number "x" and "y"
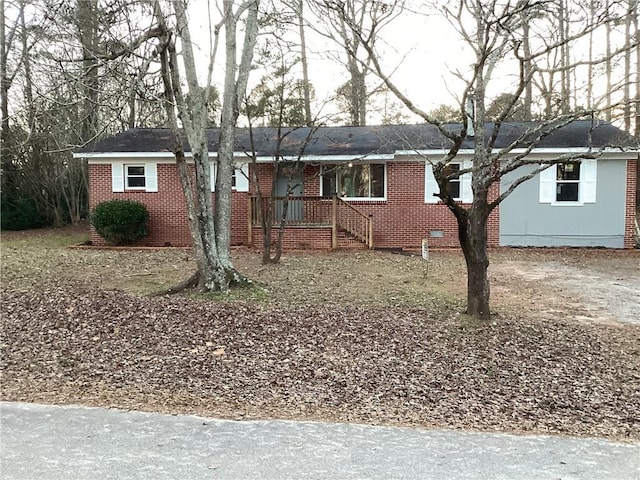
{"x": 134, "y": 176}
{"x": 363, "y": 181}
{"x": 454, "y": 183}
{"x": 139, "y": 176}
{"x": 569, "y": 183}
{"x": 239, "y": 177}
{"x": 459, "y": 186}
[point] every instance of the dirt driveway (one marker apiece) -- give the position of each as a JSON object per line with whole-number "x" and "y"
{"x": 593, "y": 285}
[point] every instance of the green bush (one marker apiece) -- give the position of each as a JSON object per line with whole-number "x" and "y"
{"x": 120, "y": 222}
{"x": 20, "y": 214}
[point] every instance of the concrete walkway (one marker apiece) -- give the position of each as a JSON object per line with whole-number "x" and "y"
{"x": 51, "y": 442}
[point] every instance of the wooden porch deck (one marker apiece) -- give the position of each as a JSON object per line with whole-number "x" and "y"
{"x": 299, "y": 211}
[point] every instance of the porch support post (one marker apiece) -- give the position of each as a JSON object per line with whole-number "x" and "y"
{"x": 249, "y": 221}
{"x": 334, "y": 221}
{"x": 370, "y": 232}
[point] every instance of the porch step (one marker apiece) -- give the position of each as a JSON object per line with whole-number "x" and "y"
{"x": 348, "y": 242}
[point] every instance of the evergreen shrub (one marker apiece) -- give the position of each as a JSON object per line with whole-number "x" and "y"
{"x": 20, "y": 214}
{"x": 120, "y": 222}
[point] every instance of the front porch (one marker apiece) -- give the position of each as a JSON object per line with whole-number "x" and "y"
{"x": 314, "y": 221}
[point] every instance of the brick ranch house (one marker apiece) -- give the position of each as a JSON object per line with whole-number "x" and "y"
{"x": 373, "y": 186}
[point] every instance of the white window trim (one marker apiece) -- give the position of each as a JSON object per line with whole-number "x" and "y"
{"x": 127, "y": 176}
{"x": 363, "y": 199}
{"x": 241, "y": 171}
{"x": 119, "y": 176}
{"x": 586, "y": 185}
{"x": 431, "y": 188}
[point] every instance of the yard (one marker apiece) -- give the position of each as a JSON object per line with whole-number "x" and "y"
{"x": 370, "y": 337}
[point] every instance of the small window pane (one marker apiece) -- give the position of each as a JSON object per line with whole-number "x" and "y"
{"x": 328, "y": 184}
{"x": 454, "y": 188}
{"x": 451, "y": 168}
{"x": 354, "y": 181}
{"x": 348, "y": 181}
{"x": 377, "y": 181}
{"x": 135, "y": 182}
{"x": 454, "y": 183}
{"x": 135, "y": 176}
{"x": 568, "y": 171}
{"x": 567, "y": 192}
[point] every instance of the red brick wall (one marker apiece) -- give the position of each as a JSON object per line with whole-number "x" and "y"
{"x": 167, "y": 210}
{"x": 403, "y": 220}
{"x": 630, "y": 211}
{"x": 298, "y": 238}
{"x": 399, "y": 222}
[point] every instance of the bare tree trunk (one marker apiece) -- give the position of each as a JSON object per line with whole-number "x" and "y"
{"x": 636, "y": 29}
{"x": 4, "y": 78}
{"x": 565, "y": 78}
{"x": 267, "y": 219}
{"x": 229, "y": 116}
{"x": 215, "y": 271}
{"x": 592, "y": 16}
{"x": 267, "y": 225}
{"x": 87, "y": 25}
{"x": 528, "y": 90}
{"x": 305, "y": 68}
{"x": 472, "y": 223}
{"x": 627, "y": 67}
{"x": 472, "y": 233}
{"x": 235, "y": 86}
{"x": 608, "y": 65}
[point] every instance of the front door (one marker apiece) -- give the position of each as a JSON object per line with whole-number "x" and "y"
{"x": 290, "y": 180}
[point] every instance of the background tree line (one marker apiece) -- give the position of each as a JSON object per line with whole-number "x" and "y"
{"x": 73, "y": 72}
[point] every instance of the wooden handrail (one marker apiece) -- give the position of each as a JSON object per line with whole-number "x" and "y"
{"x": 354, "y": 222}
{"x": 301, "y": 210}
{"x": 309, "y": 210}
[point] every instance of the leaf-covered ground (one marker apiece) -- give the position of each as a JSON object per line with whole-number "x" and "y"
{"x": 349, "y": 337}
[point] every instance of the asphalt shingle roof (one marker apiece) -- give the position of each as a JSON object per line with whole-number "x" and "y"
{"x": 369, "y": 139}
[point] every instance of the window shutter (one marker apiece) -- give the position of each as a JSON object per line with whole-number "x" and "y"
{"x": 548, "y": 184}
{"x": 466, "y": 192}
{"x": 431, "y": 188}
{"x": 242, "y": 178}
{"x": 213, "y": 168}
{"x": 117, "y": 176}
{"x": 151, "y": 176}
{"x": 590, "y": 174}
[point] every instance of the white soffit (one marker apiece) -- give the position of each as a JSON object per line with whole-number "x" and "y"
{"x": 535, "y": 151}
{"x": 328, "y": 158}
{"x": 241, "y": 157}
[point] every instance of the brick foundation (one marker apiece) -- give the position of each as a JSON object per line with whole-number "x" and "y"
{"x": 298, "y": 238}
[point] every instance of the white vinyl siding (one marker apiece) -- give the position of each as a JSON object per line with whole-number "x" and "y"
{"x": 431, "y": 188}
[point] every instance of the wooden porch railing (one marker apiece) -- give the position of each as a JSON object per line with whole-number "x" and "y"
{"x": 348, "y": 218}
{"x": 307, "y": 210}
